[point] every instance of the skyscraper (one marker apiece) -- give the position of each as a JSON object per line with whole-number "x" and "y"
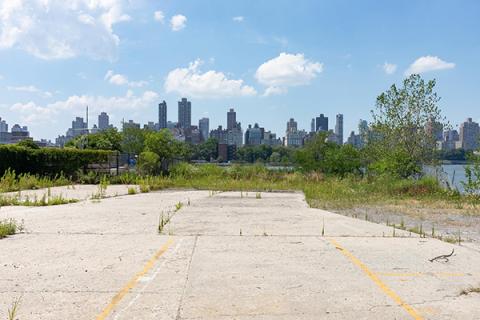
{"x": 103, "y": 121}
{"x": 231, "y": 119}
{"x": 321, "y": 123}
{"x": 291, "y": 126}
{"x": 339, "y": 128}
{"x": 204, "y": 127}
{"x": 363, "y": 132}
{"x": 312, "y": 125}
{"x": 469, "y": 134}
{"x": 162, "y": 115}
{"x": 184, "y": 113}
{"x": 3, "y": 125}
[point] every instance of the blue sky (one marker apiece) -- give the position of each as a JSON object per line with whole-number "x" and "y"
{"x": 270, "y": 60}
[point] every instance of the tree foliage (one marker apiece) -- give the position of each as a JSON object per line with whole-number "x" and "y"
{"x": 109, "y": 139}
{"x": 328, "y": 157}
{"x": 402, "y": 137}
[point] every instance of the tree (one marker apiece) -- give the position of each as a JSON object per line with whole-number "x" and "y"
{"x": 402, "y": 137}
{"x": 165, "y": 146}
{"x": 109, "y": 139}
{"x": 328, "y": 157}
{"x": 133, "y": 140}
{"x": 28, "y": 143}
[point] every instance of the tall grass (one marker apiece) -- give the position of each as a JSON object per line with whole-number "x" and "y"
{"x": 9, "y": 227}
{"x": 10, "y": 181}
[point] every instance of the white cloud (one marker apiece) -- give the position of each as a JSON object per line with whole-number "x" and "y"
{"x": 159, "y": 16}
{"x": 211, "y": 84}
{"x": 121, "y": 80}
{"x": 238, "y": 19}
{"x": 32, "y": 113}
{"x": 61, "y": 29}
{"x": 287, "y": 70}
{"x": 30, "y": 89}
{"x": 389, "y": 68}
{"x": 178, "y": 22}
{"x": 428, "y": 63}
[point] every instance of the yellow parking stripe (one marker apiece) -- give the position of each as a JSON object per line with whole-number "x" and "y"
{"x": 389, "y": 292}
{"x": 133, "y": 282}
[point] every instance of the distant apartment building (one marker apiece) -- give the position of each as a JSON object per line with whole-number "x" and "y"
{"x": 363, "y": 132}
{"x": 226, "y": 152}
{"x": 270, "y": 139}
{"x": 339, "y": 129}
{"x": 231, "y": 119}
{"x": 150, "y": 125}
{"x": 434, "y": 129}
{"x": 354, "y": 140}
{"x": 312, "y": 125}
{"x": 292, "y": 125}
{"x": 321, "y": 123}
{"x": 469, "y": 134}
{"x": 162, "y": 115}
{"x": 295, "y": 139}
{"x": 254, "y": 135}
{"x": 103, "y": 121}
{"x": 3, "y": 125}
{"x": 219, "y": 134}
{"x": 204, "y": 127}
{"x": 131, "y": 124}
{"x": 19, "y": 133}
{"x": 79, "y": 127}
{"x": 184, "y": 113}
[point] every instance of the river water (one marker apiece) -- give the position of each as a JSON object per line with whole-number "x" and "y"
{"x": 453, "y": 174}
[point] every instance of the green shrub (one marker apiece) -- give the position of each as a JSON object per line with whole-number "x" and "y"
{"x": 149, "y": 163}
{"x": 48, "y": 161}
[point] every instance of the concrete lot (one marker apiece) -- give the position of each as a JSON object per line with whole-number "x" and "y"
{"x": 226, "y": 257}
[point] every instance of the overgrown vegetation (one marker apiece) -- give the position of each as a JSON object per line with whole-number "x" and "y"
{"x": 9, "y": 227}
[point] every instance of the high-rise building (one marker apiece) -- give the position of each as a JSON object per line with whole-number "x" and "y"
{"x": 339, "y": 128}
{"x": 3, "y": 125}
{"x": 103, "y": 121}
{"x": 321, "y": 123}
{"x": 204, "y": 127}
{"x": 220, "y": 135}
{"x": 469, "y": 134}
{"x": 312, "y": 125}
{"x": 292, "y": 125}
{"x": 254, "y": 135}
{"x": 19, "y": 133}
{"x": 162, "y": 115}
{"x": 231, "y": 119}
{"x": 184, "y": 114}
{"x": 79, "y": 127}
{"x": 131, "y": 124}
{"x": 363, "y": 132}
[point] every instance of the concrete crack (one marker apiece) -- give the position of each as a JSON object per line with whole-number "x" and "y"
{"x": 178, "y": 317}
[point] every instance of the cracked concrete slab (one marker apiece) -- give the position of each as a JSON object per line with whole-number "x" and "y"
{"x": 225, "y": 256}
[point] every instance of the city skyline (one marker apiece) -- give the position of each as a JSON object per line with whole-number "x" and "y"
{"x": 274, "y": 62}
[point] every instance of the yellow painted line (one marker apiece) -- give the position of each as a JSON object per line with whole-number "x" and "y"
{"x": 389, "y": 292}
{"x": 133, "y": 282}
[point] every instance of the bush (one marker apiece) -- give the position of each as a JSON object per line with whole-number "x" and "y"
{"x": 48, "y": 161}
{"x": 149, "y": 163}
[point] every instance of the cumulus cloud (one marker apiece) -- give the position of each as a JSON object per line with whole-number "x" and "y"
{"x": 238, "y": 19}
{"x": 61, "y": 29}
{"x": 30, "y": 89}
{"x": 192, "y": 82}
{"x": 389, "y": 68}
{"x": 178, "y": 22}
{"x": 121, "y": 80}
{"x": 33, "y": 113}
{"x": 159, "y": 16}
{"x": 287, "y": 70}
{"x": 428, "y": 63}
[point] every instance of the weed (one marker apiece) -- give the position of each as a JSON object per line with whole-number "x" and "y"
{"x": 178, "y": 206}
{"x": 240, "y": 232}
{"x": 258, "y": 195}
{"x": 470, "y": 290}
{"x": 132, "y": 190}
{"x": 9, "y": 227}
{"x": 13, "y": 310}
